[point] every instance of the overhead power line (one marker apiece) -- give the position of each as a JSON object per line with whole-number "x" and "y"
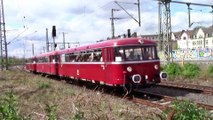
{"x": 190, "y": 3}
{"x": 139, "y": 16}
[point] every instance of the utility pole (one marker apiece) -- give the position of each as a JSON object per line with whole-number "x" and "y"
{"x": 139, "y": 13}
{"x": 160, "y": 34}
{"x": 47, "y": 40}
{"x": 189, "y": 13}
{"x": 33, "y": 49}
{"x": 64, "y": 40}
{"x": 3, "y": 47}
{"x": 212, "y": 15}
{"x": 112, "y": 22}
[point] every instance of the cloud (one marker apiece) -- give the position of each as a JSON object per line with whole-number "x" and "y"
{"x": 85, "y": 21}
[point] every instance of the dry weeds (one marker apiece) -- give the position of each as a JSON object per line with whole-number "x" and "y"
{"x": 38, "y": 93}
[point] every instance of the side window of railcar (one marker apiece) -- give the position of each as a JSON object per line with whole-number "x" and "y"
{"x": 94, "y": 56}
{"x": 86, "y": 56}
{"x": 54, "y": 58}
{"x": 42, "y": 59}
{"x": 119, "y": 54}
{"x": 129, "y": 53}
{"x": 67, "y": 57}
{"x": 72, "y": 57}
{"x": 97, "y": 55}
{"x": 45, "y": 59}
{"x": 63, "y": 58}
{"x": 78, "y": 57}
{"x": 133, "y": 54}
{"x": 82, "y": 56}
{"x": 91, "y": 56}
{"x": 149, "y": 53}
{"x": 39, "y": 60}
{"x": 137, "y": 54}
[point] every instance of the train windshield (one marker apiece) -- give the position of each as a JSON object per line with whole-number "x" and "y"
{"x": 136, "y": 53}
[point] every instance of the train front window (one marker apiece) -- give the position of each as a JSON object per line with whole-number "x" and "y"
{"x": 135, "y": 53}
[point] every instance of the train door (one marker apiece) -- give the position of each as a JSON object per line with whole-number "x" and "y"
{"x": 57, "y": 57}
{"x": 54, "y": 64}
{"x": 77, "y": 66}
{"x": 107, "y": 60}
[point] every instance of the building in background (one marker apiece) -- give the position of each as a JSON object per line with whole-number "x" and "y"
{"x": 198, "y": 38}
{"x": 190, "y": 44}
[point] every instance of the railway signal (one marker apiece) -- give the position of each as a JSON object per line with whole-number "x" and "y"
{"x": 54, "y": 35}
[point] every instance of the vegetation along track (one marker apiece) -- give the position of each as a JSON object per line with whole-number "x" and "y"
{"x": 148, "y": 95}
{"x": 145, "y": 96}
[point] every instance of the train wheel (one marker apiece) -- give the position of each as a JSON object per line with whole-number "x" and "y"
{"x": 127, "y": 88}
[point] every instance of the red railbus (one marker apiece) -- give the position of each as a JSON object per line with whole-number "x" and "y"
{"x": 122, "y": 62}
{"x": 31, "y": 64}
{"x": 47, "y": 63}
{"x": 118, "y": 62}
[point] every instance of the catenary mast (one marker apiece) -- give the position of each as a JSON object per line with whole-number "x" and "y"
{"x": 3, "y": 47}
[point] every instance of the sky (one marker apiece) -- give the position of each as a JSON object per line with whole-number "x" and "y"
{"x": 87, "y": 21}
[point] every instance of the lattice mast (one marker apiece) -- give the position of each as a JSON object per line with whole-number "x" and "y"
{"x": 165, "y": 28}
{"x": 3, "y": 47}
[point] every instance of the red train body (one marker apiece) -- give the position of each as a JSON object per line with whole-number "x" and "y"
{"x": 117, "y": 62}
{"x": 31, "y": 64}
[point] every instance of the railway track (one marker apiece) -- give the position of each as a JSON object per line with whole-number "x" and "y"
{"x": 189, "y": 87}
{"x": 160, "y": 101}
{"x": 159, "y": 97}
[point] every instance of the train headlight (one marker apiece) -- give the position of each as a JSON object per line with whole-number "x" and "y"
{"x": 156, "y": 67}
{"x": 136, "y": 78}
{"x": 163, "y": 75}
{"x": 146, "y": 77}
{"x": 129, "y": 69}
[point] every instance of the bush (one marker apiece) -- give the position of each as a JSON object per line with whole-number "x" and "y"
{"x": 44, "y": 86}
{"x": 186, "y": 110}
{"x": 190, "y": 70}
{"x": 51, "y": 111}
{"x": 9, "y": 107}
{"x": 210, "y": 71}
{"x": 173, "y": 69}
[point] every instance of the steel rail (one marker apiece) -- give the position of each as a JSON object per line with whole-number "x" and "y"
{"x": 166, "y": 101}
{"x": 189, "y": 87}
